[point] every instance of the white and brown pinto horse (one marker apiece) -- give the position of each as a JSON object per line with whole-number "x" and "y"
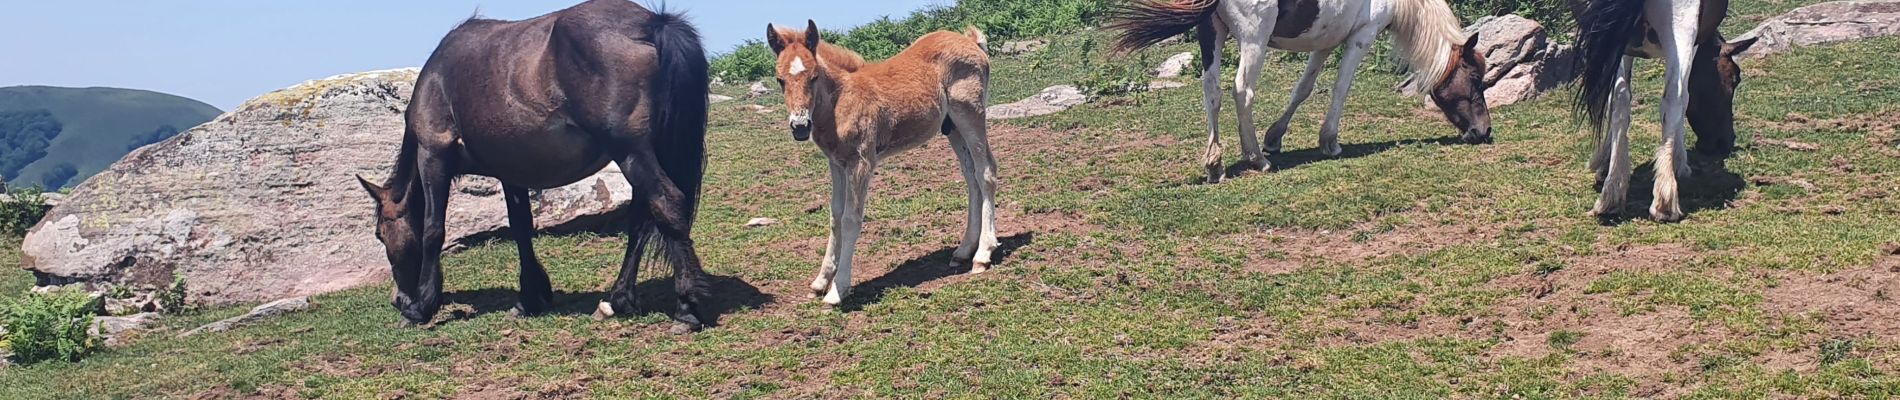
{"x": 1426, "y": 32}
{"x": 860, "y": 113}
{"x": 1684, "y": 35}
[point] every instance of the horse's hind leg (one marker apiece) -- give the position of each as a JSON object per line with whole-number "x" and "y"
{"x": 536, "y": 292}
{"x": 972, "y": 145}
{"x": 1211, "y": 40}
{"x": 621, "y": 297}
{"x": 1614, "y": 146}
{"x": 670, "y": 211}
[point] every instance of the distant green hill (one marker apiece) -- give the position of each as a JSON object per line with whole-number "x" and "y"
{"x": 89, "y": 128}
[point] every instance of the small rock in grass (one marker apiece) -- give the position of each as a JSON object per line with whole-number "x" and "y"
{"x": 761, "y": 221}
{"x": 275, "y": 308}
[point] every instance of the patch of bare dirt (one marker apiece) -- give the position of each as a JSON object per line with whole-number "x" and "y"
{"x": 1853, "y": 303}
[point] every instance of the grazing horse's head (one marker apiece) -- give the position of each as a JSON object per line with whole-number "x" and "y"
{"x": 399, "y": 227}
{"x": 1460, "y": 94}
{"x": 1712, "y": 95}
{"x": 798, "y": 72}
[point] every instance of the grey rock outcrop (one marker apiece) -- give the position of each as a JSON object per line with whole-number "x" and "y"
{"x": 262, "y": 202}
{"x": 1022, "y": 46}
{"x": 1523, "y": 61}
{"x": 1051, "y": 100}
{"x": 1825, "y": 23}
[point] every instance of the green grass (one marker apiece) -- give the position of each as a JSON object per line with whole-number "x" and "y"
{"x": 1408, "y": 268}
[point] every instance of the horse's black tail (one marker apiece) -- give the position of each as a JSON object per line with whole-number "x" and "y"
{"x": 679, "y": 136}
{"x": 679, "y": 123}
{"x": 1605, "y": 31}
{"x": 1146, "y": 22}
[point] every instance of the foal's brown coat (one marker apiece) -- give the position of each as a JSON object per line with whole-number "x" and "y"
{"x": 860, "y": 113}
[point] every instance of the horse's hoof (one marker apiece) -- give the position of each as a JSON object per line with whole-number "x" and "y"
{"x": 603, "y": 311}
{"x": 1662, "y": 215}
{"x": 406, "y": 324}
{"x": 979, "y": 267}
{"x": 819, "y": 286}
{"x": 834, "y": 298}
{"x": 682, "y": 328}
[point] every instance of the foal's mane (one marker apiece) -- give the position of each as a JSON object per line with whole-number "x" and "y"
{"x": 1424, "y": 31}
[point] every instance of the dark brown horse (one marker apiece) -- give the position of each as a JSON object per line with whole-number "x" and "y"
{"x": 542, "y": 103}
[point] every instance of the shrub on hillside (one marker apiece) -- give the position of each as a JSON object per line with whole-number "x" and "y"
{"x": 1000, "y": 20}
{"x": 44, "y": 327}
{"x": 1553, "y": 15}
{"x": 19, "y": 214}
{"x": 24, "y": 136}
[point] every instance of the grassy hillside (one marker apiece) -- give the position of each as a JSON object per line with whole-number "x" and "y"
{"x": 100, "y": 125}
{"x": 1407, "y": 267}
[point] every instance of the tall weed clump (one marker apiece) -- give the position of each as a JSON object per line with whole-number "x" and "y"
{"x": 48, "y": 327}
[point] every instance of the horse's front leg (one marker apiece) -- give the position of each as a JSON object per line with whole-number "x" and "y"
{"x": 829, "y": 266}
{"x": 1253, "y": 55}
{"x": 850, "y": 221}
{"x": 536, "y": 293}
{"x": 420, "y": 303}
{"x": 1678, "y": 46}
{"x": 1348, "y": 66}
{"x": 1315, "y": 62}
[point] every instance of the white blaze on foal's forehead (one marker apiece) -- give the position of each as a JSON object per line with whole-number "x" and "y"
{"x": 798, "y": 65}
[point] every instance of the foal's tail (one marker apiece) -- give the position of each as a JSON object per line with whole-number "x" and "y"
{"x": 1606, "y": 28}
{"x": 1146, "y": 22}
{"x": 679, "y": 118}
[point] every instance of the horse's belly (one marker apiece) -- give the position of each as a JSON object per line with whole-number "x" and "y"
{"x": 536, "y": 158}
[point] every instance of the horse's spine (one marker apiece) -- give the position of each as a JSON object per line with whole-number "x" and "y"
{"x": 1606, "y": 29}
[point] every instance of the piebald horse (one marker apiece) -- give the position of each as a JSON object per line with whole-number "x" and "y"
{"x": 1699, "y": 81}
{"x": 1426, "y": 32}
{"x": 861, "y": 113}
{"x": 541, "y": 103}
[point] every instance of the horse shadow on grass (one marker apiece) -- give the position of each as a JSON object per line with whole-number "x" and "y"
{"x": 1294, "y": 159}
{"x": 725, "y": 295}
{"x": 930, "y": 267}
{"x": 1709, "y": 186}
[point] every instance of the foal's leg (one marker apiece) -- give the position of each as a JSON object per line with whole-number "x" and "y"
{"x": 973, "y": 228}
{"x": 829, "y": 267}
{"x": 1211, "y": 40}
{"x": 1315, "y": 62}
{"x": 1253, "y": 54}
{"x": 1678, "y": 45}
{"x": 1356, "y": 47}
{"x": 1614, "y": 146}
{"x": 973, "y": 136}
{"x": 536, "y": 292}
{"x": 850, "y": 221}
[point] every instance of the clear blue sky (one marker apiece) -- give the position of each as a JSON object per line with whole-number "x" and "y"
{"x": 225, "y": 51}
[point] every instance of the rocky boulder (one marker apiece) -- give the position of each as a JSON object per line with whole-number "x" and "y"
{"x": 1174, "y": 65}
{"x": 1523, "y": 61}
{"x": 1050, "y": 101}
{"x": 1825, "y": 23}
{"x": 262, "y": 202}
{"x": 1014, "y": 47}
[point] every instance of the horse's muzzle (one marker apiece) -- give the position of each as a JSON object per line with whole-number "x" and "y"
{"x": 801, "y": 132}
{"x": 1477, "y": 136}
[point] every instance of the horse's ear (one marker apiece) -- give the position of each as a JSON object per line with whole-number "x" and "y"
{"x": 375, "y": 192}
{"x": 772, "y": 39}
{"x": 1472, "y": 42}
{"x": 1730, "y": 49}
{"x": 811, "y": 35}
